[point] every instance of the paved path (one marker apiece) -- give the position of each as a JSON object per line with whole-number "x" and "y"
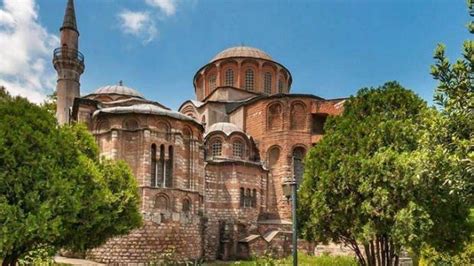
{"x": 71, "y": 261}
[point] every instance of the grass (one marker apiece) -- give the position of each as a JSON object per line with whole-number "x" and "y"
{"x": 303, "y": 260}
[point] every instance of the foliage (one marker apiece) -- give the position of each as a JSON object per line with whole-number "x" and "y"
{"x": 365, "y": 182}
{"x": 450, "y": 152}
{"x": 54, "y": 190}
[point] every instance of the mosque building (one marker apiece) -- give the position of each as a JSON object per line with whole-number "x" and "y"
{"x": 210, "y": 174}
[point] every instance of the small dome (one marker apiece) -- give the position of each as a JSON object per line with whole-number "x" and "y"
{"x": 242, "y": 51}
{"x": 118, "y": 89}
{"x": 227, "y": 128}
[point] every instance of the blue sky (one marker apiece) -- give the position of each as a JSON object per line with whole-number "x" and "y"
{"x": 332, "y": 48}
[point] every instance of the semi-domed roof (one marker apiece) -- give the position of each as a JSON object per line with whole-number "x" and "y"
{"x": 227, "y": 128}
{"x": 242, "y": 51}
{"x": 118, "y": 89}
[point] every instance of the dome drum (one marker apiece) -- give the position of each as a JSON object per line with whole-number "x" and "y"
{"x": 244, "y": 68}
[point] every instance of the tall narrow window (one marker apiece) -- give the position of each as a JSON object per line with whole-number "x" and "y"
{"x": 212, "y": 83}
{"x": 242, "y": 197}
{"x": 153, "y": 175}
{"x": 238, "y": 149}
{"x": 248, "y": 198}
{"x": 160, "y": 169}
{"x": 298, "y": 167}
{"x": 280, "y": 86}
{"x": 189, "y": 157}
{"x": 229, "y": 77}
{"x": 267, "y": 83}
{"x": 249, "y": 79}
{"x": 254, "y": 198}
{"x": 216, "y": 148}
{"x": 169, "y": 168}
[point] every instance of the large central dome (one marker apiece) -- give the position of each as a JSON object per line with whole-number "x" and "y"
{"x": 242, "y": 51}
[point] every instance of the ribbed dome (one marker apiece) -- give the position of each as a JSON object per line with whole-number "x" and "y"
{"x": 242, "y": 51}
{"x": 118, "y": 89}
{"x": 227, "y": 128}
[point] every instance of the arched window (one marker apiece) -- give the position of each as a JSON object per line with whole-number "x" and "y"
{"x": 280, "y": 86}
{"x": 298, "y": 166}
{"x": 169, "y": 168}
{"x": 102, "y": 125}
{"x": 249, "y": 79}
{"x": 254, "y": 198}
{"x": 275, "y": 117}
{"x": 298, "y": 116}
{"x": 153, "y": 176}
{"x": 212, "y": 82}
{"x": 229, "y": 77}
{"x": 216, "y": 148}
{"x": 161, "y": 202}
{"x": 273, "y": 156}
{"x": 130, "y": 124}
{"x": 242, "y": 197}
{"x": 163, "y": 128}
{"x": 238, "y": 149}
{"x": 187, "y": 207}
{"x": 267, "y": 82}
{"x": 160, "y": 169}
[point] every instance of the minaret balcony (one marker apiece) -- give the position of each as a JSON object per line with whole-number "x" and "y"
{"x": 68, "y": 53}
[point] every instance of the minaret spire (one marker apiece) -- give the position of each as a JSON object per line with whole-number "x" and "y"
{"x": 70, "y": 17}
{"x": 69, "y": 64}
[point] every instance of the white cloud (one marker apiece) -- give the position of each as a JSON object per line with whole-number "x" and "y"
{"x": 25, "y": 51}
{"x": 139, "y": 24}
{"x": 168, "y": 7}
{"x": 142, "y": 24}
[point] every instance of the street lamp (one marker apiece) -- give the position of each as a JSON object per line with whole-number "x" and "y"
{"x": 289, "y": 190}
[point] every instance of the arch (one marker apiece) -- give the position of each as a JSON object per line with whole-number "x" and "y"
{"x": 229, "y": 77}
{"x": 130, "y": 124}
{"x": 298, "y": 116}
{"x": 238, "y": 148}
{"x": 249, "y": 79}
{"x": 187, "y": 206}
{"x": 212, "y": 82}
{"x": 273, "y": 155}
{"x": 169, "y": 168}
{"x": 163, "y": 128}
{"x": 153, "y": 171}
{"x": 267, "y": 82}
{"x": 281, "y": 85}
{"x": 102, "y": 125}
{"x": 275, "y": 116}
{"x": 216, "y": 147}
{"x": 298, "y": 163}
{"x": 162, "y": 202}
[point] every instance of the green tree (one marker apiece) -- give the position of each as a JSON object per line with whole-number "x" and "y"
{"x": 450, "y": 146}
{"x": 365, "y": 183}
{"x": 54, "y": 190}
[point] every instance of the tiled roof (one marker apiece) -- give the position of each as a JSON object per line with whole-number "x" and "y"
{"x": 118, "y": 89}
{"x": 242, "y": 51}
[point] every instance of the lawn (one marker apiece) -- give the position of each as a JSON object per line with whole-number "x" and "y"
{"x": 303, "y": 259}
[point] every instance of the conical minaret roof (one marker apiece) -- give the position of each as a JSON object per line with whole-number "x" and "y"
{"x": 70, "y": 17}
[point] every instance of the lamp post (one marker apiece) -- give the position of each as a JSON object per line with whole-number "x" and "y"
{"x": 289, "y": 190}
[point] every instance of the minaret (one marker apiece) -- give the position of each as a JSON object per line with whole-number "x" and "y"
{"x": 69, "y": 63}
